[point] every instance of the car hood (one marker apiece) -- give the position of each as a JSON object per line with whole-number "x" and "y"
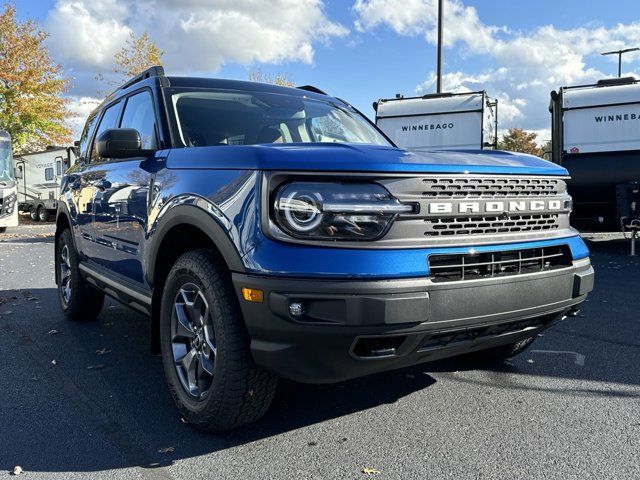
{"x": 333, "y": 157}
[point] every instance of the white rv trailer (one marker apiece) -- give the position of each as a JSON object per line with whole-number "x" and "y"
{"x": 596, "y": 136}
{"x": 39, "y": 176}
{"x": 444, "y": 121}
{"x": 8, "y": 192}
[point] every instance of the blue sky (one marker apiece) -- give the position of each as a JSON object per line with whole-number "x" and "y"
{"x": 360, "y": 50}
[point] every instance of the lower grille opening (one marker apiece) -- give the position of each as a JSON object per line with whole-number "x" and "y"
{"x": 451, "y": 338}
{"x": 470, "y": 266}
{"x": 378, "y": 347}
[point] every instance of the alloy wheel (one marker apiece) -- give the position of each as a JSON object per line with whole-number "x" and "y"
{"x": 65, "y": 274}
{"x": 192, "y": 341}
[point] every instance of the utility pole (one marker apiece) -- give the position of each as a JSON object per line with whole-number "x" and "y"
{"x": 440, "y": 19}
{"x": 619, "y": 53}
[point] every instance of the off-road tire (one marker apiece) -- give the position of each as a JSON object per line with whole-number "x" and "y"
{"x": 240, "y": 392}
{"x": 85, "y": 301}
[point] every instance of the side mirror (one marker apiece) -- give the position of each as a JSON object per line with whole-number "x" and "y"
{"x": 17, "y": 173}
{"x": 121, "y": 143}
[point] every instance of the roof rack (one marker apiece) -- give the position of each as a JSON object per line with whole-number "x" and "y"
{"x": 606, "y": 82}
{"x": 311, "y": 88}
{"x": 156, "y": 71}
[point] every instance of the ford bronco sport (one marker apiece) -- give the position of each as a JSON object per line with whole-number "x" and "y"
{"x": 276, "y": 232}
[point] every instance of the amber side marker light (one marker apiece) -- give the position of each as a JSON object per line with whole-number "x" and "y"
{"x": 252, "y": 295}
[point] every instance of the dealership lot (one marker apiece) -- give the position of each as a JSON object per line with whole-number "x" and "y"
{"x": 90, "y": 401}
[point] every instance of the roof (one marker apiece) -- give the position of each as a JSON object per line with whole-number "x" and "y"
{"x": 52, "y": 149}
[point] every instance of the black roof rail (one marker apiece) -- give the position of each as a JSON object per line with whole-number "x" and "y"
{"x": 156, "y": 71}
{"x": 607, "y": 82}
{"x": 311, "y": 88}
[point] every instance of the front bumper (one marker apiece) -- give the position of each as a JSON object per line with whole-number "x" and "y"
{"x": 354, "y": 328}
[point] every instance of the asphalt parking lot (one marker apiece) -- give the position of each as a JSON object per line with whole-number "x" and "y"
{"x": 90, "y": 401}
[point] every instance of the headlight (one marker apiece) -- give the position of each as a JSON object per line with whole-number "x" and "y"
{"x": 336, "y": 211}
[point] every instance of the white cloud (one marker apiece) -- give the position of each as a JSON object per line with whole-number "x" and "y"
{"x": 197, "y": 35}
{"x": 527, "y": 65}
{"x": 79, "y": 109}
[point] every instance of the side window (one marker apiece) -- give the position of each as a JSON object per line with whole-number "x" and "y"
{"x": 138, "y": 114}
{"x": 86, "y": 137}
{"x": 109, "y": 120}
{"x": 48, "y": 174}
{"x": 58, "y": 167}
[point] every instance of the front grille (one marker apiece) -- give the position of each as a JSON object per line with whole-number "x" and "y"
{"x": 484, "y": 187}
{"x": 451, "y": 338}
{"x": 472, "y": 266}
{"x": 483, "y": 225}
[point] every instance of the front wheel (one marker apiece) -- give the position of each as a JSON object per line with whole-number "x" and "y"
{"x": 205, "y": 348}
{"x": 78, "y": 300}
{"x": 3, "y": 229}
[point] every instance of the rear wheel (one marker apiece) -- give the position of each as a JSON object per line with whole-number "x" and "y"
{"x": 205, "y": 348}
{"x": 43, "y": 214}
{"x": 3, "y": 229}
{"x": 78, "y": 299}
{"x": 33, "y": 214}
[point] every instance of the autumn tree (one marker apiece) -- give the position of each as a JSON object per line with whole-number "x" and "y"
{"x": 518, "y": 140}
{"x": 281, "y": 79}
{"x": 32, "y": 108}
{"x": 137, "y": 55}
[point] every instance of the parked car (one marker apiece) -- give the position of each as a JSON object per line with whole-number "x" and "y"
{"x": 275, "y": 232}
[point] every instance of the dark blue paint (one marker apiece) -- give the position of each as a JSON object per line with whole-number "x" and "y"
{"x": 275, "y": 258}
{"x": 331, "y": 157}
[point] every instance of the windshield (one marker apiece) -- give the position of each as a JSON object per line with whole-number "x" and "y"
{"x": 222, "y": 117}
{"x": 6, "y": 175}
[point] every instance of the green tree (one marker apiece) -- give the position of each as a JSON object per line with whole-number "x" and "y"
{"x": 518, "y": 140}
{"x": 32, "y": 108}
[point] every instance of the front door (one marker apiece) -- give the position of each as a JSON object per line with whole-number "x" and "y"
{"x": 121, "y": 207}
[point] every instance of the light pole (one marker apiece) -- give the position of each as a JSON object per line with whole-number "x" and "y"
{"x": 619, "y": 53}
{"x": 440, "y": 15}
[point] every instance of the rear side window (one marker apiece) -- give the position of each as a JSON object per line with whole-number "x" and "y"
{"x": 109, "y": 120}
{"x": 138, "y": 114}
{"x": 86, "y": 137}
{"x": 48, "y": 174}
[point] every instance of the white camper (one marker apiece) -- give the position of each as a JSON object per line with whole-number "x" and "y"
{"x": 38, "y": 177}
{"x": 596, "y": 136}
{"x": 445, "y": 121}
{"x": 8, "y": 193}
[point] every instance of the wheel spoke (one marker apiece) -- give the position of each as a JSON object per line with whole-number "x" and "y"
{"x": 206, "y": 364}
{"x": 190, "y": 365}
{"x": 183, "y": 324}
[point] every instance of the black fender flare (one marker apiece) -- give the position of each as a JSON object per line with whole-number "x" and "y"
{"x": 189, "y": 214}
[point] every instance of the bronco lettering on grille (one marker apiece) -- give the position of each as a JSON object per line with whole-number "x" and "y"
{"x": 496, "y": 206}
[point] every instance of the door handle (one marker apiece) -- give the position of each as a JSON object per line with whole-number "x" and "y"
{"x": 103, "y": 184}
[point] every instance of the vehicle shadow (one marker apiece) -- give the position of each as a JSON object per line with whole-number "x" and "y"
{"x": 104, "y": 404}
{"x": 113, "y": 385}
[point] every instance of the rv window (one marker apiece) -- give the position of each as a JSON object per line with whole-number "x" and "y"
{"x": 59, "y": 168}
{"x": 109, "y": 120}
{"x": 138, "y": 114}
{"x": 48, "y": 174}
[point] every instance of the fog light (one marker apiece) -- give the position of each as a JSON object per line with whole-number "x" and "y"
{"x": 252, "y": 295}
{"x": 296, "y": 309}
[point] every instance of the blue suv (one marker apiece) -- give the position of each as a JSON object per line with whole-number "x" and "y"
{"x": 276, "y": 232}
